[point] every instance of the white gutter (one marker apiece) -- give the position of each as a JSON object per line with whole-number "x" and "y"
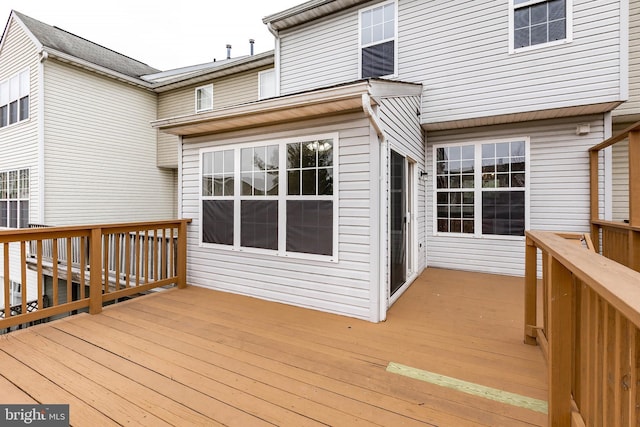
{"x": 382, "y": 226}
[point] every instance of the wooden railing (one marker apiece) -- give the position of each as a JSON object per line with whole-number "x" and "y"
{"x": 619, "y": 241}
{"x": 121, "y": 260}
{"x": 589, "y": 331}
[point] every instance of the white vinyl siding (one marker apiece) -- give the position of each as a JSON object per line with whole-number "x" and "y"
{"x": 19, "y": 143}
{"x": 558, "y": 188}
{"x": 620, "y": 176}
{"x": 100, "y": 161}
{"x": 632, "y": 106}
{"x": 460, "y": 52}
{"x": 320, "y": 53}
{"x": 343, "y": 287}
{"x": 231, "y": 90}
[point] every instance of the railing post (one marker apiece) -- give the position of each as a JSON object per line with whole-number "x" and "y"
{"x": 594, "y": 198}
{"x": 560, "y": 367}
{"x": 181, "y": 267}
{"x": 95, "y": 271}
{"x": 530, "y": 292}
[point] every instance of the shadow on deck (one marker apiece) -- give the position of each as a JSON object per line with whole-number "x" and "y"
{"x": 199, "y": 357}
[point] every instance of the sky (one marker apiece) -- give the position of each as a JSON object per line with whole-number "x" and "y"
{"x": 187, "y": 32}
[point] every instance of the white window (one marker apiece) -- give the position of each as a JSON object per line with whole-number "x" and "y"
{"x": 276, "y": 197}
{"x": 482, "y": 189}
{"x": 266, "y": 84}
{"x": 14, "y": 199}
{"x": 204, "y": 98}
{"x": 539, "y": 22}
{"x": 378, "y": 41}
{"x": 14, "y": 99}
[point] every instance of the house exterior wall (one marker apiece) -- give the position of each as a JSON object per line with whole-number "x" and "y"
{"x": 558, "y": 191}
{"x": 231, "y": 90}
{"x": 459, "y": 51}
{"x": 632, "y": 106}
{"x": 100, "y": 163}
{"x": 19, "y": 142}
{"x": 347, "y": 286}
{"x": 404, "y": 134}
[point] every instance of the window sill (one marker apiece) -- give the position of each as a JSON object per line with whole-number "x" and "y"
{"x": 480, "y": 236}
{"x": 520, "y": 50}
{"x": 268, "y": 253}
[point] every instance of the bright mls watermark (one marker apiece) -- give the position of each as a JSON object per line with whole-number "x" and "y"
{"x": 34, "y": 415}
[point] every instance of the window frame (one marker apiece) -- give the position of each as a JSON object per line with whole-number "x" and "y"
{"x": 361, "y": 46}
{"x": 9, "y": 98}
{"x": 568, "y": 29}
{"x": 197, "y": 94}
{"x": 478, "y": 189}
{"x": 260, "y": 83}
{"x": 282, "y": 197}
{"x": 21, "y": 197}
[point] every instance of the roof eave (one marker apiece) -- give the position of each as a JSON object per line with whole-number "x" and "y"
{"x": 308, "y": 11}
{"x": 291, "y": 108}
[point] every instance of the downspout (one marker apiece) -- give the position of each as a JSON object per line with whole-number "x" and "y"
{"x": 276, "y": 55}
{"x": 382, "y": 225}
{"x": 41, "y": 172}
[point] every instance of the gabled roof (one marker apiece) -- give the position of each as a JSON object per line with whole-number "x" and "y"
{"x": 67, "y": 43}
{"x": 308, "y": 11}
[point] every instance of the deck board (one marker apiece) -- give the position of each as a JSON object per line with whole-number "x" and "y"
{"x": 198, "y": 357}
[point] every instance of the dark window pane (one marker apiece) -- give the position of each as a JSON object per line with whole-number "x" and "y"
{"x": 443, "y": 225}
{"x": 502, "y": 165}
{"x": 456, "y": 226}
{"x": 24, "y": 108}
{"x": 443, "y": 211}
{"x": 308, "y": 155}
{"x": 521, "y": 38}
{"x": 325, "y": 152}
{"x": 259, "y": 184}
{"x": 4, "y": 214}
{"x": 309, "y": 182}
{"x": 4, "y": 120}
{"x": 217, "y": 221}
{"x": 467, "y": 181}
{"x": 325, "y": 182}
{"x": 310, "y": 226}
{"x": 454, "y": 181}
{"x": 503, "y": 180}
{"x": 293, "y": 155}
{"x": 517, "y": 180}
{"x": 24, "y": 214}
{"x": 468, "y": 198}
{"x": 378, "y": 60}
{"x": 521, "y": 18}
{"x": 517, "y": 164}
{"x": 503, "y": 213}
{"x": 259, "y": 224}
{"x": 468, "y": 227}
{"x": 246, "y": 184}
{"x": 228, "y": 185}
{"x": 293, "y": 183}
{"x": 440, "y": 154}
{"x": 13, "y": 112}
{"x": 218, "y": 186}
{"x": 272, "y": 183}
{"x": 13, "y": 214}
{"x": 557, "y": 10}
{"x": 207, "y": 186}
{"x": 443, "y": 198}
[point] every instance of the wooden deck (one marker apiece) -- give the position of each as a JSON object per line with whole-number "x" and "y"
{"x": 198, "y": 357}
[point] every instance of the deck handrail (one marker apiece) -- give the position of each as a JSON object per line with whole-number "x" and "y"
{"x": 590, "y": 331}
{"x": 111, "y": 270}
{"x": 616, "y": 240}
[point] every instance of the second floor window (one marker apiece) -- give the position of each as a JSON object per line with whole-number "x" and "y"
{"x": 266, "y": 84}
{"x": 14, "y": 199}
{"x": 538, "y": 22}
{"x": 378, "y": 41}
{"x": 204, "y": 98}
{"x": 14, "y": 99}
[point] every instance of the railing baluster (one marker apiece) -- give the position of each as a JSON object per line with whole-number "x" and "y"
{"x": 54, "y": 279}
{"x": 40, "y": 278}
{"x": 127, "y": 259}
{"x": 69, "y": 270}
{"x": 117, "y": 260}
{"x": 138, "y": 250}
{"x": 154, "y": 270}
{"x": 146, "y": 256}
{"x": 83, "y": 243}
{"x": 105, "y": 262}
{"x": 23, "y": 275}
{"x": 7, "y": 282}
